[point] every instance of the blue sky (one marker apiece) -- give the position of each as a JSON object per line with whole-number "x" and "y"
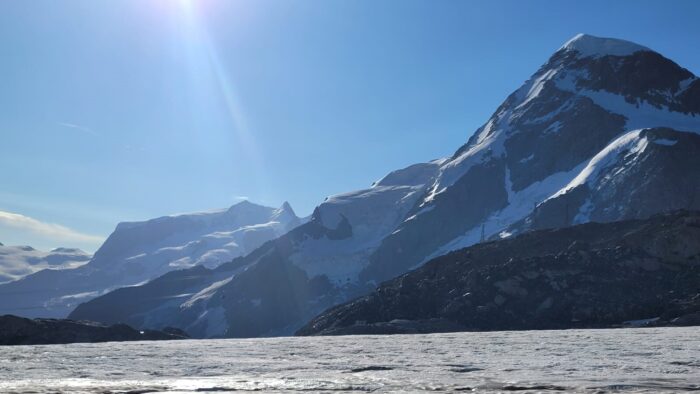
{"x": 127, "y": 110}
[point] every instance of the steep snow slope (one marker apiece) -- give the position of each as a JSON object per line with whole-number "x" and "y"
{"x": 604, "y": 130}
{"x": 140, "y": 251}
{"x": 17, "y": 262}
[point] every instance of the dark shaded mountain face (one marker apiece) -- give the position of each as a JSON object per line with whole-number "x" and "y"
{"x": 590, "y": 275}
{"x": 605, "y": 130}
{"x": 652, "y": 172}
{"x": 16, "y": 330}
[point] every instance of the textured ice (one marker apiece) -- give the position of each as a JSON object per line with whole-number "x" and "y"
{"x": 623, "y": 360}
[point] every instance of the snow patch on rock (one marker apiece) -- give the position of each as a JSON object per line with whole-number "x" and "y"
{"x": 630, "y": 142}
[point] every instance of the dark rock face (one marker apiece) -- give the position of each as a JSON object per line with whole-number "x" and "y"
{"x": 20, "y": 331}
{"x": 591, "y": 275}
{"x": 642, "y": 76}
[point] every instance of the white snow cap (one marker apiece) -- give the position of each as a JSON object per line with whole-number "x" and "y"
{"x": 591, "y": 46}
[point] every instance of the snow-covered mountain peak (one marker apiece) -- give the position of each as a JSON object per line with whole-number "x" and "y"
{"x": 591, "y": 46}
{"x": 580, "y": 91}
{"x": 244, "y": 205}
{"x": 137, "y": 252}
{"x": 243, "y": 211}
{"x": 565, "y": 126}
{"x": 285, "y": 213}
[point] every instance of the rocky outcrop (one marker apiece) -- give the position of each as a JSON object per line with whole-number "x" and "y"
{"x": 639, "y": 272}
{"x": 16, "y": 330}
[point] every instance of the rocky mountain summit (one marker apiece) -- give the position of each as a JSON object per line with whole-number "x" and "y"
{"x": 16, "y": 330}
{"x": 638, "y": 272}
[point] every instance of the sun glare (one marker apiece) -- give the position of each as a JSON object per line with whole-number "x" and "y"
{"x": 205, "y": 59}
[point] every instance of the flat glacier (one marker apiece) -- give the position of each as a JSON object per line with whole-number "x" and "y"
{"x": 621, "y": 360}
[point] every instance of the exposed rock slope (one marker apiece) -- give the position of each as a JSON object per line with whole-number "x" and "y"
{"x": 590, "y": 275}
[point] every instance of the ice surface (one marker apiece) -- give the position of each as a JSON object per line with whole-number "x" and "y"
{"x": 634, "y": 360}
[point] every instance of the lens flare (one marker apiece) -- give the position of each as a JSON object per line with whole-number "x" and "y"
{"x": 203, "y": 58}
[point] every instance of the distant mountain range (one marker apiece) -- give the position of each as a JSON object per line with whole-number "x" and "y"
{"x": 16, "y": 330}
{"x": 17, "y": 262}
{"x": 137, "y": 252}
{"x": 605, "y": 130}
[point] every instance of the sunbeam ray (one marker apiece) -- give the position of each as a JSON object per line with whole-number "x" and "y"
{"x": 203, "y": 57}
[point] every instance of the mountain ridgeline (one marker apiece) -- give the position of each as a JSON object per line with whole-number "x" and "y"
{"x": 605, "y": 130}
